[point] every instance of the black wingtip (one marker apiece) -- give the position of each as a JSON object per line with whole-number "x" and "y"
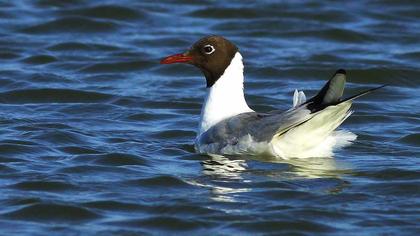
{"x": 363, "y": 93}
{"x": 340, "y": 71}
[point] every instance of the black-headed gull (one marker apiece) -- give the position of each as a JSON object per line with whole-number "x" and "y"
{"x": 229, "y": 126}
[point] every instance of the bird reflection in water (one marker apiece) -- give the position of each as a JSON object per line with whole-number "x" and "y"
{"x": 315, "y": 167}
{"x": 224, "y": 167}
{"x": 224, "y": 170}
{"x": 227, "y": 171}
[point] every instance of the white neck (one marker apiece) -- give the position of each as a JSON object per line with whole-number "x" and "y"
{"x": 226, "y": 97}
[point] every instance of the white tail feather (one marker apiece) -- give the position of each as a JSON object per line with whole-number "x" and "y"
{"x": 298, "y": 98}
{"x": 314, "y": 138}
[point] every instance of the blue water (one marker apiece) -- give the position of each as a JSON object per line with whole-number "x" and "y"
{"x": 96, "y": 138}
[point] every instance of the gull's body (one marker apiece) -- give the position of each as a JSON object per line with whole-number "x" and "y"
{"x": 229, "y": 126}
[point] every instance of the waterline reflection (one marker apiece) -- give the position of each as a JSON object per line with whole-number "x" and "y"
{"x": 226, "y": 172}
{"x": 223, "y": 171}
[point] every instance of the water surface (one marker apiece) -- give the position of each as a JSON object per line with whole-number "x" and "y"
{"x": 97, "y": 138}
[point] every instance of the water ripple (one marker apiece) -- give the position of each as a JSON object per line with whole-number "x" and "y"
{"x": 51, "y": 212}
{"x": 106, "y": 12}
{"x": 52, "y": 96}
{"x": 44, "y": 186}
{"x": 71, "y": 25}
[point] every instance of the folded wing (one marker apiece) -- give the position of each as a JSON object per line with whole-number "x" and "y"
{"x": 327, "y": 109}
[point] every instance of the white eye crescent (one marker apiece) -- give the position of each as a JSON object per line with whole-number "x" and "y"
{"x": 208, "y": 49}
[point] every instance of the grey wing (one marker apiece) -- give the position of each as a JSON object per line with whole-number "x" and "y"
{"x": 262, "y": 127}
{"x": 228, "y": 131}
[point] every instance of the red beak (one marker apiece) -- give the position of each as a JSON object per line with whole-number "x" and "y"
{"x": 177, "y": 58}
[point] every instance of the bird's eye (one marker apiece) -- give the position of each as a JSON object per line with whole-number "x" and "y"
{"x": 208, "y": 49}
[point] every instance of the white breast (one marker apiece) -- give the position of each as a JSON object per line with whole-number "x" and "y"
{"x": 226, "y": 97}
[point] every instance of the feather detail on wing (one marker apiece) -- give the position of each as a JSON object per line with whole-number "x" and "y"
{"x": 262, "y": 127}
{"x": 296, "y": 132}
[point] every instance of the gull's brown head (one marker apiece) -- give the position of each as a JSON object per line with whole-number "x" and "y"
{"x": 211, "y": 54}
